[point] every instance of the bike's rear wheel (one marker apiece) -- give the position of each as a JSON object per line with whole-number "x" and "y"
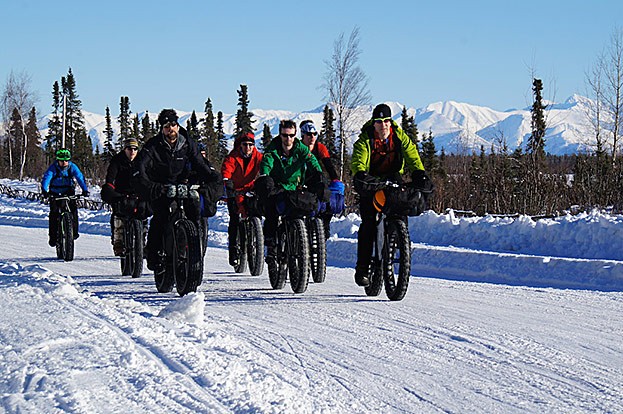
{"x": 317, "y": 250}
{"x": 375, "y": 274}
{"x": 204, "y": 234}
{"x": 298, "y": 256}
{"x": 132, "y": 262}
{"x": 240, "y": 251}
{"x": 397, "y": 264}
{"x": 65, "y": 237}
{"x": 255, "y": 245}
{"x": 278, "y": 267}
{"x": 187, "y": 257}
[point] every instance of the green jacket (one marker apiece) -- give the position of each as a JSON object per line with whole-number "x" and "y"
{"x": 288, "y": 173}
{"x": 361, "y": 149}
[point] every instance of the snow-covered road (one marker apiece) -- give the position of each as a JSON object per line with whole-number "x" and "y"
{"x": 77, "y": 337}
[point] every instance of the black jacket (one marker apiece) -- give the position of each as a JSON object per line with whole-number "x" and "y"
{"x": 158, "y": 164}
{"x": 118, "y": 178}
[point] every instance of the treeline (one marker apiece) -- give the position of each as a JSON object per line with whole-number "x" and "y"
{"x": 491, "y": 181}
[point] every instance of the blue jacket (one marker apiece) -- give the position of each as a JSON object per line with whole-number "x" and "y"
{"x": 61, "y": 181}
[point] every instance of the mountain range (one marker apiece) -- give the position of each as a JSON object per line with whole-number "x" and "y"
{"x": 457, "y": 127}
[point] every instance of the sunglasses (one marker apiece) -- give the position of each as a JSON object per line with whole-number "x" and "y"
{"x": 287, "y": 135}
{"x": 170, "y": 125}
{"x": 247, "y": 144}
{"x": 381, "y": 120}
{"x": 312, "y": 134}
{"x": 131, "y": 148}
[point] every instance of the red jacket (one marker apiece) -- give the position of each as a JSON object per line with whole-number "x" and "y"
{"x": 233, "y": 168}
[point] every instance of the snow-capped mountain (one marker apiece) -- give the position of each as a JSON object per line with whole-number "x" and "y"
{"x": 457, "y": 127}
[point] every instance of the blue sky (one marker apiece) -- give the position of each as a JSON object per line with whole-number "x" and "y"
{"x": 177, "y": 54}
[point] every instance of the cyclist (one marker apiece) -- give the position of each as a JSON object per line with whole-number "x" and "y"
{"x": 239, "y": 170}
{"x": 163, "y": 161}
{"x": 59, "y": 180}
{"x": 380, "y": 153}
{"x": 119, "y": 191}
{"x": 309, "y": 136}
{"x": 287, "y": 165}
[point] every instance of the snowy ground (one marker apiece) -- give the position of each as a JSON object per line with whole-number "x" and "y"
{"x": 501, "y": 316}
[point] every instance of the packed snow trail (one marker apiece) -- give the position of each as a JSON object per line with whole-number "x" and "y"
{"x": 82, "y": 338}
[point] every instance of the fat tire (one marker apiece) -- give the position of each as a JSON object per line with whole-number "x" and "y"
{"x": 65, "y": 237}
{"x": 134, "y": 249}
{"x": 164, "y": 275}
{"x": 375, "y": 274}
{"x": 241, "y": 251}
{"x": 187, "y": 257}
{"x": 397, "y": 259}
{"x": 317, "y": 250}
{"x": 298, "y": 256}
{"x": 278, "y": 269}
{"x": 255, "y": 245}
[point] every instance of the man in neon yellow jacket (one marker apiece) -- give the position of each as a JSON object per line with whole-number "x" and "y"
{"x": 380, "y": 153}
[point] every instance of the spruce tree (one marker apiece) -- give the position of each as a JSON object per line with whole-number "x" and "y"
{"x": 192, "y": 127}
{"x": 136, "y": 128}
{"x": 244, "y": 122}
{"x": 266, "y": 138}
{"x": 15, "y": 140}
{"x": 77, "y": 139}
{"x": 147, "y": 128}
{"x": 536, "y": 142}
{"x": 408, "y": 126}
{"x": 327, "y": 133}
{"x": 109, "y": 148}
{"x": 125, "y": 128}
{"x": 429, "y": 153}
{"x": 55, "y": 128}
{"x": 221, "y": 139}
{"x": 208, "y": 134}
{"x": 35, "y": 163}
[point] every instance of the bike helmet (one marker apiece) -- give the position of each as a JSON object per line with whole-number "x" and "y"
{"x": 63, "y": 154}
{"x": 379, "y": 200}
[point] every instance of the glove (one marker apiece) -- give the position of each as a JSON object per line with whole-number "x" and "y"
{"x": 85, "y": 194}
{"x": 157, "y": 191}
{"x": 421, "y": 181}
{"x": 229, "y": 188}
{"x": 337, "y": 186}
{"x": 45, "y": 193}
{"x": 264, "y": 187}
{"x": 366, "y": 184}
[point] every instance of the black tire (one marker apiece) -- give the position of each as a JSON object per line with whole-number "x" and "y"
{"x": 298, "y": 256}
{"x": 241, "y": 252}
{"x": 187, "y": 257}
{"x": 134, "y": 247}
{"x": 164, "y": 275}
{"x": 278, "y": 270}
{"x": 375, "y": 274}
{"x": 65, "y": 238}
{"x": 397, "y": 259}
{"x": 204, "y": 234}
{"x": 317, "y": 250}
{"x": 255, "y": 245}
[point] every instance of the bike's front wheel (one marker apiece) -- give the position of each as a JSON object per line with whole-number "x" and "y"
{"x": 317, "y": 250}
{"x": 255, "y": 245}
{"x": 187, "y": 257}
{"x": 132, "y": 261}
{"x": 397, "y": 260}
{"x": 65, "y": 237}
{"x": 298, "y": 256}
